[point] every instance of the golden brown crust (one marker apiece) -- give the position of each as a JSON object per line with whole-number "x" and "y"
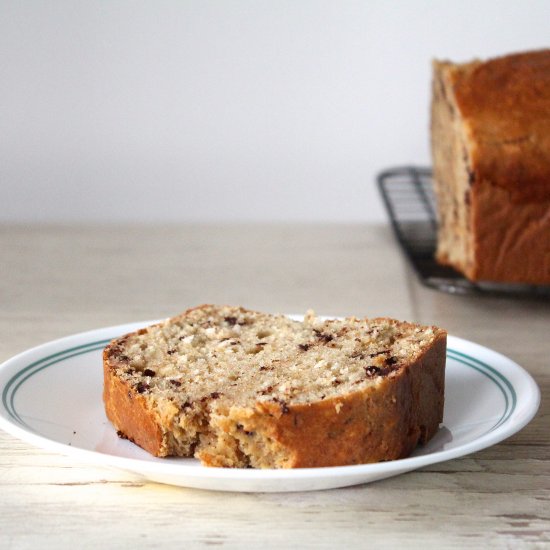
{"x": 511, "y": 242}
{"x": 505, "y": 107}
{"x": 128, "y": 411}
{"x": 491, "y": 150}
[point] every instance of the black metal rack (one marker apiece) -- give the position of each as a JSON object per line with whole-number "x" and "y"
{"x": 409, "y": 198}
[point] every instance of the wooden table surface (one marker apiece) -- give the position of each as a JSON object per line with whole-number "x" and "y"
{"x": 58, "y": 281}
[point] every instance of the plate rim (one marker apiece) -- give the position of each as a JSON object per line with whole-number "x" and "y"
{"x": 499, "y": 432}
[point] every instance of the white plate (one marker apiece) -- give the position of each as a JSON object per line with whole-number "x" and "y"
{"x": 52, "y": 398}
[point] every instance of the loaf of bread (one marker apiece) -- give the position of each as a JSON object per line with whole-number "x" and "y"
{"x": 490, "y": 133}
{"x": 238, "y": 388}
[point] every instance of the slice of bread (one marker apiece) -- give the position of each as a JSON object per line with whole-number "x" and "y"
{"x": 238, "y": 388}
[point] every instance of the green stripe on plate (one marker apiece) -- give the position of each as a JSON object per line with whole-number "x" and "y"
{"x": 493, "y": 371}
{"x": 24, "y": 374}
{"x": 485, "y": 373}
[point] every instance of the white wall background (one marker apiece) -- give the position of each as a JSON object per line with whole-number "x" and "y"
{"x": 226, "y": 110}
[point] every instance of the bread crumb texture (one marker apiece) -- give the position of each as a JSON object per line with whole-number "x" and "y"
{"x": 239, "y": 388}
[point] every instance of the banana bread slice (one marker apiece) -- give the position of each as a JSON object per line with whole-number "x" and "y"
{"x": 238, "y": 388}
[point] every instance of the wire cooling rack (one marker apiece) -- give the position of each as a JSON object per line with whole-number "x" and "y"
{"x": 409, "y": 198}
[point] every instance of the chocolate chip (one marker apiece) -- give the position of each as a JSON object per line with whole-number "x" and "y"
{"x": 187, "y": 405}
{"x": 176, "y": 383}
{"x": 149, "y": 372}
{"x": 336, "y": 382}
{"x": 213, "y": 395}
{"x": 171, "y": 351}
{"x": 267, "y": 390}
{"x": 357, "y": 355}
{"x": 372, "y": 371}
{"x": 323, "y": 336}
{"x": 232, "y": 321}
{"x": 142, "y": 387}
{"x": 304, "y": 347}
{"x": 471, "y": 177}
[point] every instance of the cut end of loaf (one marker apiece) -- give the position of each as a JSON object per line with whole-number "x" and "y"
{"x": 240, "y": 388}
{"x": 453, "y": 174}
